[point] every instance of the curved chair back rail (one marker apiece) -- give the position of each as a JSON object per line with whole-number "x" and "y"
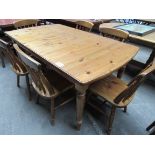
{"x": 134, "y": 84}
{"x": 115, "y": 33}
{"x": 84, "y": 25}
{"x": 3, "y": 44}
{"x": 25, "y": 23}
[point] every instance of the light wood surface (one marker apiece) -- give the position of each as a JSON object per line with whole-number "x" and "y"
{"x": 109, "y": 88}
{"x": 120, "y": 34}
{"x": 84, "y": 56}
{"x": 94, "y": 21}
{"x": 72, "y": 22}
{"x": 25, "y": 23}
{"x": 148, "y": 39}
{"x": 80, "y": 56}
{"x": 109, "y": 25}
{"x": 84, "y": 25}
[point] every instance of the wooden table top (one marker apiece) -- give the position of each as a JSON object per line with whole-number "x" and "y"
{"x": 148, "y": 39}
{"x": 84, "y": 56}
{"x": 7, "y": 22}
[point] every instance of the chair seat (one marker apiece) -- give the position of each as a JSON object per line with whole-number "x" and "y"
{"x": 58, "y": 83}
{"x": 109, "y": 88}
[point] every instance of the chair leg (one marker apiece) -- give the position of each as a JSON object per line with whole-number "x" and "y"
{"x": 18, "y": 80}
{"x": 52, "y": 111}
{"x": 125, "y": 109}
{"x": 2, "y": 59}
{"x": 28, "y": 86}
{"x": 111, "y": 119}
{"x": 150, "y": 126}
{"x": 37, "y": 99}
{"x": 121, "y": 72}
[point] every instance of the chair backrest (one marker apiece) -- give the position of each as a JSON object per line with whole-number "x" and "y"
{"x": 134, "y": 84}
{"x": 115, "y": 33}
{"x": 84, "y": 25}
{"x": 25, "y": 23}
{"x": 14, "y": 60}
{"x": 3, "y": 44}
{"x": 34, "y": 68}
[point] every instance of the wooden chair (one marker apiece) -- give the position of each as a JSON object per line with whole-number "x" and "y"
{"x": 117, "y": 93}
{"x": 17, "y": 66}
{"x": 118, "y": 35}
{"x": 84, "y": 25}
{"x": 25, "y": 23}
{"x": 1, "y": 50}
{"x": 48, "y": 86}
{"x": 6, "y": 40}
{"x": 2, "y": 57}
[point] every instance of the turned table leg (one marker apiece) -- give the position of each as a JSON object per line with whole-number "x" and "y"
{"x": 80, "y": 103}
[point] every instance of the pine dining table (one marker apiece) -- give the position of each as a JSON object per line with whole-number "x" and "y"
{"x": 81, "y": 57}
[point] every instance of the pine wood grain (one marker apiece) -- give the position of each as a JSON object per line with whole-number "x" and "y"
{"x": 84, "y": 56}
